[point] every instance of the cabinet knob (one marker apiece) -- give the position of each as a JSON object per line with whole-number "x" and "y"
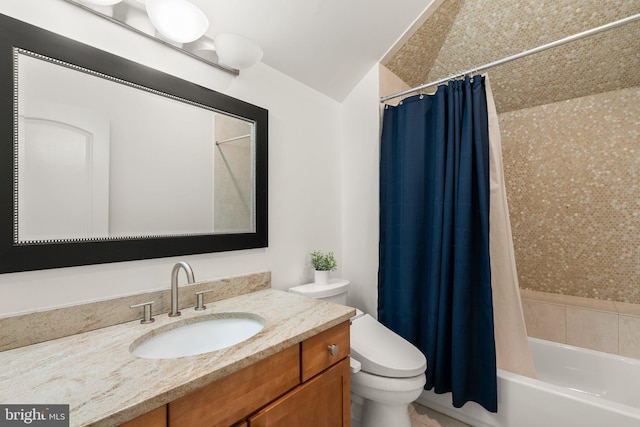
{"x": 333, "y": 349}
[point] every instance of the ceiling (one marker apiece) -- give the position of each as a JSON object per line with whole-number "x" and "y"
{"x": 328, "y": 45}
{"x": 463, "y": 34}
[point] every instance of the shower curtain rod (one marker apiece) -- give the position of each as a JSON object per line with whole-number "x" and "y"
{"x": 569, "y": 39}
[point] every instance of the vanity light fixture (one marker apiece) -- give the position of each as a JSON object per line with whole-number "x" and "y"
{"x": 178, "y": 20}
{"x": 236, "y": 51}
{"x": 180, "y": 25}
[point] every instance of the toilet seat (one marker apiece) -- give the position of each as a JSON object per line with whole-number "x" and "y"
{"x": 382, "y": 352}
{"x": 370, "y": 383}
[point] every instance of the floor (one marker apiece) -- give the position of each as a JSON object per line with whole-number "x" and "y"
{"x": 425, "y": 417}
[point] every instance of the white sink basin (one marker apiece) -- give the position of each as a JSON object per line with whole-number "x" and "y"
{"x": 198, "y": 335}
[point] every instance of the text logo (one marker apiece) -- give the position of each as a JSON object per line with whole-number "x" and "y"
{"x": 34, "y": 415}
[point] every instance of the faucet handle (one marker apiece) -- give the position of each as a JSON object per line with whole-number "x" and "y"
{"x": 147, "y": 311}
{"x": 200, "y": 300}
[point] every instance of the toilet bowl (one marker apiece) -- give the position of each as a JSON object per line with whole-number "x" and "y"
{"x": 384, "y": 400}
{"x": 387, "y": 371}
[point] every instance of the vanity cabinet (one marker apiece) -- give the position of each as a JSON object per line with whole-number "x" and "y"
{"x": 304, "y": 385}
{"x": 322, "y": 401}
{"x": 155, "y": 418}
{"x": 232, "y": 398}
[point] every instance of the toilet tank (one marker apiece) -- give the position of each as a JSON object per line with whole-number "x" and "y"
{"x": 335, "y": 291}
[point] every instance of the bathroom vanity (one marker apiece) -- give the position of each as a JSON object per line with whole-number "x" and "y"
{"x": 293, "y": 372}
{"x": 302, "y": 385}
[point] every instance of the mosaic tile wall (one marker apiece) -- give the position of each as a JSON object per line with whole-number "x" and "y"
{"x": 572, "y": 172}
{"x": 463, "y": 34}
{"x": 414, "y": 60}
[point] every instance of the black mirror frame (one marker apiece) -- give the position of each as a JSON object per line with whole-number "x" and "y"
{"x": 15, "y": 257}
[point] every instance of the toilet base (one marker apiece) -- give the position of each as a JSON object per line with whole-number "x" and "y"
{"x": 375, "y": 414}
{"x": 383, "y": 401}
{"x": 356, "y": 410}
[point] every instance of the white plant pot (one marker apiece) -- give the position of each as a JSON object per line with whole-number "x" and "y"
{"x": 321, "y": 277}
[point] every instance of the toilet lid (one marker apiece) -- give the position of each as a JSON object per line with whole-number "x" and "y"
{"x": 383, "y": 352}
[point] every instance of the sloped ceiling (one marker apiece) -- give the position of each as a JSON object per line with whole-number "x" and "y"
{"x": 463, "y": 34}
{"x": 328, "y": 45}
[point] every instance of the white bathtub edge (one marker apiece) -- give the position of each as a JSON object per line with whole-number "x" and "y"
{"x": 442, "y": 404}
{"x": 538, "y": 403}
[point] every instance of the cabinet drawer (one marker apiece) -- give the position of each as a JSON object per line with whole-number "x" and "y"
{"x": 316, "y": 356}
{"x": 229, "y": 399}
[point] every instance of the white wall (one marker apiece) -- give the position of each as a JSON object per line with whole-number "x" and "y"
{"x": 304, "y": 174}
{"x": 360, "y": 213}
{"x": 156, "y": 157}
{"x": 360, "y": 128}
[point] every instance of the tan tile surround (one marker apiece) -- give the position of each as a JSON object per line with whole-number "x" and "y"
{"x": 31, "y": 328}
{"x": 572, "y": 172}
{"x": 612, "y": 327}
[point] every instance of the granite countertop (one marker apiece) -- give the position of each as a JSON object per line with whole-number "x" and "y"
{"x": 105, "y": 385}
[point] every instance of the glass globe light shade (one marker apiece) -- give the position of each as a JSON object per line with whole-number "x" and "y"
{"x": 178, "y": 20}
{"x": 237, "y": 52}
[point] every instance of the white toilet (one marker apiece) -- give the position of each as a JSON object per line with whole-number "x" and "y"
{"x": 387, "y": 371}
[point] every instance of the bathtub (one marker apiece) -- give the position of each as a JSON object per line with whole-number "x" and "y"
{"x": 576, "y": 387}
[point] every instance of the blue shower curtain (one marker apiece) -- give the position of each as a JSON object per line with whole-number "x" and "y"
{"x": 434, "y": 284}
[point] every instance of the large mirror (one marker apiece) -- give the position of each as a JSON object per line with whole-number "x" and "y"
{"x": 106, "y": 160}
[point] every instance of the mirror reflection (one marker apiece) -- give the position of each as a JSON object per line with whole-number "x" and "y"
{"x": 100, "y": 158}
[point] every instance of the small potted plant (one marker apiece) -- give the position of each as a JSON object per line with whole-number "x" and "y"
{"x": 323, "y": 263}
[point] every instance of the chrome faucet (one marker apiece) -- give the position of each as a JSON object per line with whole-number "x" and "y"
{"x": 174, "y": 285}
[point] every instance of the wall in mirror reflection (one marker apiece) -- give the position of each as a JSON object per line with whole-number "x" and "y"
{"x": 101, "y": 159}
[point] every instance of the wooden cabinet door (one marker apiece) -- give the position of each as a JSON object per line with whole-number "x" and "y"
{"x": 155, "y": 418}
{"x": 321, "y": 402}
